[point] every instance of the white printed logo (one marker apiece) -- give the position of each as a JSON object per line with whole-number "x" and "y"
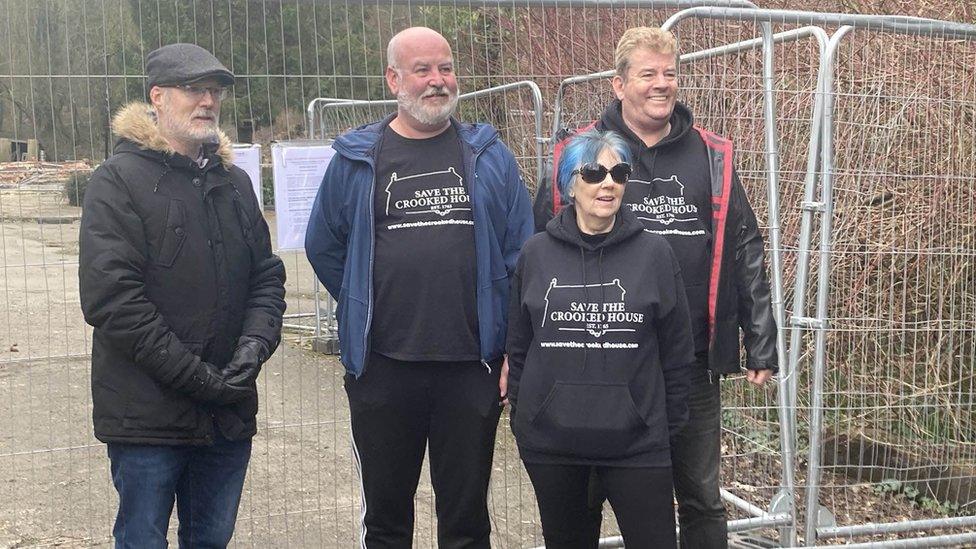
{"x": 437, "y": 200}
{"x": 597, "y": 309}
{"x": 667, "y": 208}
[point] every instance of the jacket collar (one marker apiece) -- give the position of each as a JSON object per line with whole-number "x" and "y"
{"x": 681, "y": 124}
{"x": 136, "y": 122}
{"x": 359, "y": 144}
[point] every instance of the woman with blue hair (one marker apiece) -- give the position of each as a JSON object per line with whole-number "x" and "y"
{"x": 599, "y": 348}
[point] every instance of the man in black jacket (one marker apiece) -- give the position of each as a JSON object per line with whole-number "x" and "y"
{"x": 685, "y": 188}
{"x": 186, "y": 300}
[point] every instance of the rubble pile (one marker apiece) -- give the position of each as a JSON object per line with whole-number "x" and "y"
{"x": 39, "y": 175}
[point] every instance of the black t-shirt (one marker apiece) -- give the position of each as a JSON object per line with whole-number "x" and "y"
{"x": 424, "y": 270}
{"x": 593, "y": 239}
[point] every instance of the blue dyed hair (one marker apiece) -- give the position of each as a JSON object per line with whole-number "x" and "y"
{"x": 583, "y": 148}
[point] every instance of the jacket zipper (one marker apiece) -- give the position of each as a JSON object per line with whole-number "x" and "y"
{"x": 475, "y": 154}
{"x": 368, "y": 160}
{"x": 372, "y": 250}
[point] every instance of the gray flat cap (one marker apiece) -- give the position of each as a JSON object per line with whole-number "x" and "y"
{"x": 182, "y": 64}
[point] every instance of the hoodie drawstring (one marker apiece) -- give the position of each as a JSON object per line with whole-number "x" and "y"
{"x": 586, "y": 297}
{"x": 603, "y": 301}
{"x": 652, "y": 165}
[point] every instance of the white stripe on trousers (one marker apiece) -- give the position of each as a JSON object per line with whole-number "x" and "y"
{"x": 362, "y": 487}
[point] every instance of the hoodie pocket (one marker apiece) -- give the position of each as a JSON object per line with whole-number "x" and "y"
{"x": 588, "y": 420}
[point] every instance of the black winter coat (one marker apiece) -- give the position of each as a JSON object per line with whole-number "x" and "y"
{"x": 175, "y": 261}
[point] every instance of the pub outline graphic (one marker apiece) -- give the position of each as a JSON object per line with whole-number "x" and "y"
{"x": 681, "y": 192}
{"x": 440, "y": 211}
{"x": 554, "y": 284}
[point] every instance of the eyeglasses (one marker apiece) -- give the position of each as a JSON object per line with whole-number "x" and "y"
{"x": 594, "y": 172}
{"x": 197, "y": 92}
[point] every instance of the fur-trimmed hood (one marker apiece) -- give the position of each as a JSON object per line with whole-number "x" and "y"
{"x": 137, "y": 123}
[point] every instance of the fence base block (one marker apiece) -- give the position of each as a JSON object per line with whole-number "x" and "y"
{"x": 326, "y": 345}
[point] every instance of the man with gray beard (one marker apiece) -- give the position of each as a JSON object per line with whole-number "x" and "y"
{"x": 186, "y": 300}
{"x": 415, "y": 232}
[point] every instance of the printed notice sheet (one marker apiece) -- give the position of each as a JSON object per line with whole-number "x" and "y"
{"x": 298, "y": 168}
{"x": 248, "y": 158}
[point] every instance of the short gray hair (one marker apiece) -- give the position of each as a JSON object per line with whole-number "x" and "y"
{"x": 391, "y": 60}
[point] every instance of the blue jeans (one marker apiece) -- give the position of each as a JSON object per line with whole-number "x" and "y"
{"x": 205, "y": 482}
{"x": 695, "y": 456}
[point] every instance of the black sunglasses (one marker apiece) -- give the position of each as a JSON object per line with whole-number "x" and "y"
{"x": 594, "y": 172}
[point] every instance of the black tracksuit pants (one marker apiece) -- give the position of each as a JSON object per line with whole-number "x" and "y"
{"x": 399, "y": 408}
{"x": 571, "y": 504}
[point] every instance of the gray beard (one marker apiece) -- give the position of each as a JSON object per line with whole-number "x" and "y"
{"x": 182, "y": 130}
{"x": 424, "y": 115}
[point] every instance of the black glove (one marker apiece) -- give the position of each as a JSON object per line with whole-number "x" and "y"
{"x": 244, "y": 367}
{"x": 207, "y": 385}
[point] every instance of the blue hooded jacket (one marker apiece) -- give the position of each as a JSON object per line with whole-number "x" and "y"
{"x": 339, "y": 240}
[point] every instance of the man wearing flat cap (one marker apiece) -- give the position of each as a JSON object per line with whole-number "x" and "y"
{"x": 186, "y": 300}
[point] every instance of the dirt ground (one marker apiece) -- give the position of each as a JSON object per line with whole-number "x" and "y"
{"x": 301, "y": 489}
{"x": 55, "y": 488}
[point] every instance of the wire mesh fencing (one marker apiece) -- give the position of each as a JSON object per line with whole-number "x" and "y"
{"x": 898, "y": 389}
{"x": 898, "y": 412}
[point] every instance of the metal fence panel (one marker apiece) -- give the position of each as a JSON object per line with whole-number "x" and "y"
{"x": 898, "y": 411}
{"x": 898, "y": 394}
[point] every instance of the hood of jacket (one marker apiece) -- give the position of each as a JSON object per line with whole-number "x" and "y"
{"x": 563, "y": 227}
{"x": 682, "y": 122}
{"x": 136, "y": 122}
{"x": 360, "y": 143}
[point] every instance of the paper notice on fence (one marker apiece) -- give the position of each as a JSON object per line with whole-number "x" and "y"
{"x": 298, "y": 168}
{"x": 248, "y": 158}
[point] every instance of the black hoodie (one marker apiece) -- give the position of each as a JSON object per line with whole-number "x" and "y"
{"x": 599, "y": 346}
{"x": 671, "y": 194}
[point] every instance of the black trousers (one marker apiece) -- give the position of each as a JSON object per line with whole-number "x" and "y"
{"x": 696, "y": 453}
{"x": 399, "y": 408}
{"x": 571, "y": 512}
